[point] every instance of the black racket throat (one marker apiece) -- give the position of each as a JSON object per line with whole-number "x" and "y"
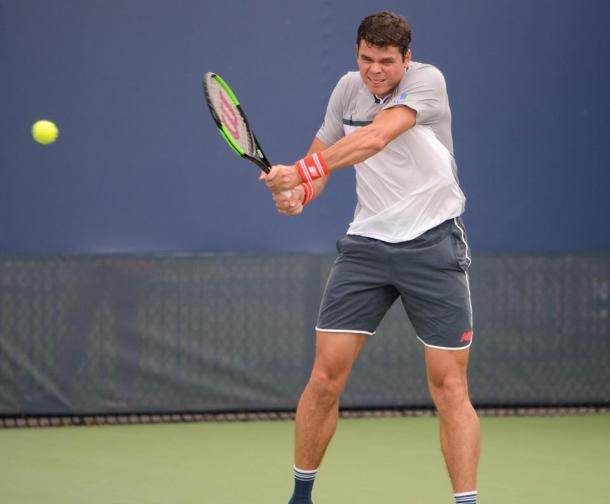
{"x": 265, "y": 168}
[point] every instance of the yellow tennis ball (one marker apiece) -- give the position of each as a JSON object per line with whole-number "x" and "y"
{"x": 44, "y": 132}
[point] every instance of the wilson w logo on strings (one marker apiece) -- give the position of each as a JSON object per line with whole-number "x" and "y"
{"x": 228, "y": 116}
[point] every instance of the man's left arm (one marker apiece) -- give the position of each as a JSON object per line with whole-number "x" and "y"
{"x": 367, "y": 141}
{"x": 354, "y": 148}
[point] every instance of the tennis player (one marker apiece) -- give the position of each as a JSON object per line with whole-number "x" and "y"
{"x": 392, "y": 122}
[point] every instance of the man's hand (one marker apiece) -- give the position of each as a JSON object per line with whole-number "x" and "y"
{"x": 281, "y": 178}
{"x": 290, "y": 206}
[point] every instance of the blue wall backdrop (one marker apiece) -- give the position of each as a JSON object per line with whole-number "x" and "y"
{"x": 139, "y": 166}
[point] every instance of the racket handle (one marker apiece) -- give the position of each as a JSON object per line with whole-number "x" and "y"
{"x": 287, "y": 194}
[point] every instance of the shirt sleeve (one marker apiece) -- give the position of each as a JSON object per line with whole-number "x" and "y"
{"x": 426, "y": 93}
{"x": 332, "y": 126}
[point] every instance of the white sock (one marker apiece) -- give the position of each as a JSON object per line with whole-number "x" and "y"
{"x": 466, "y": 497}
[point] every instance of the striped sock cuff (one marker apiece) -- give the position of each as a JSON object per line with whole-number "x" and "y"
{"x": 466, "y": 497}
{"x": 305, "y": 474}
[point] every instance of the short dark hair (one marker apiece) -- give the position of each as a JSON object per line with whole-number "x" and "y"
{"x": 383, "y": 29}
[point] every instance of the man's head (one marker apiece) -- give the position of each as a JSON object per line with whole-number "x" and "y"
{"x": 383, "y": 52}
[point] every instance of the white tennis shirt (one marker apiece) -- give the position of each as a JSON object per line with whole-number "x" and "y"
{"x": 411, "y": 185}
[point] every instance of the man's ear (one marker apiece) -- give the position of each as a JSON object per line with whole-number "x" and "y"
{"x": 407, "y": 58}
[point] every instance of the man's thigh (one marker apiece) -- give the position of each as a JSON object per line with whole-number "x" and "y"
{"x": 432, "y": 278}
{"x": 358, "y": 292}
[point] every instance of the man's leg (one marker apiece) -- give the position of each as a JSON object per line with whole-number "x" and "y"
{"x": 459, "y": 423}
{"x": 318, "y": 409}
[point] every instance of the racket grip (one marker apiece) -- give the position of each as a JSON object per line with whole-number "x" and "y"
{"x": 287, "y": 194}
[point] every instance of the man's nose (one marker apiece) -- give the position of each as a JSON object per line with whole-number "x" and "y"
{"x": 375, "y": 68}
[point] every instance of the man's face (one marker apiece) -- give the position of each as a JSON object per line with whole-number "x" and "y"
{"x": 381, "y": 68}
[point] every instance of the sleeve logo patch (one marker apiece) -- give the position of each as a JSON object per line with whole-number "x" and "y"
{"x": 402, "y": 98}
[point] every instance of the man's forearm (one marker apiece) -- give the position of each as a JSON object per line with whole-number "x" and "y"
{"x": 355, "y": 148}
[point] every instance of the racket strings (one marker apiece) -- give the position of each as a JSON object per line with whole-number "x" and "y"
{"x": 230, "y": 116}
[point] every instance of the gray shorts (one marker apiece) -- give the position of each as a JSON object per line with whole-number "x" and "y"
{"x": 429, "y": 273}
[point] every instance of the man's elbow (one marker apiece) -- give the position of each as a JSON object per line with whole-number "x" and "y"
{"x": 377, "y": 141}
{"x": 388, "y": 125}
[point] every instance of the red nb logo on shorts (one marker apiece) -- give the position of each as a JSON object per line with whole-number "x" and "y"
{"x": 466, "y": 337}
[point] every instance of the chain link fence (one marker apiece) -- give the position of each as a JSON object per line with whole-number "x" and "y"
{"x": 209, "y": 333}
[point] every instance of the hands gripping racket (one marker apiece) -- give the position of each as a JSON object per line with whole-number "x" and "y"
{"x": 232, "y": 123}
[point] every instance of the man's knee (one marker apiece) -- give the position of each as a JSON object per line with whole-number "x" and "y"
{"x": 325, "y": 385}
{"x": 449, "y": 391}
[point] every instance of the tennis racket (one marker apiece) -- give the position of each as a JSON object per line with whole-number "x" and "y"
{"x": 232, "y": 123}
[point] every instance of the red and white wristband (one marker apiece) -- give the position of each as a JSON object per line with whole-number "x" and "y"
{"x": 312, "y": 167}
{"x": 308, "y": 187}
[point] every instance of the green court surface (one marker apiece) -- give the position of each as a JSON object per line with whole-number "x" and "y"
{"x": 387, "y": 460}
